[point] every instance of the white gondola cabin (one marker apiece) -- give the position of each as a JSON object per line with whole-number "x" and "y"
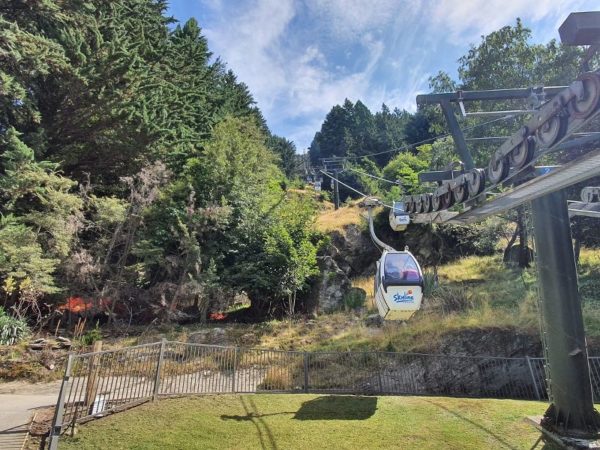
{"x": 399, "y": 218}
{"x": 398, "y": 285}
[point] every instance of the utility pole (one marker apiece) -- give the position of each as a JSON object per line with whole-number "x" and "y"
{"x": 336, "y": 190}
{"x": 571, "y": 412}
{"x": 334, "y": 165}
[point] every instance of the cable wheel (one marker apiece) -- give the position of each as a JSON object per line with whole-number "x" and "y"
{"x": 428, "y": 203}
{"x": 582, "y": 108}
{"x": 551, "y": 130}
{"x": 447, "y": 199}
{"x": 476, "y": 182}
{"x": 422, "y": 204}
{"x": 523, "y": 153}
{"x": 498, "y": 170}
{"x": 436, "y": 203}
{"x": 461, "y": 193}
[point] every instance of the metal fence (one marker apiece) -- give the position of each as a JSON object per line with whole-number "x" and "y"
{"x": 99, "y": 383}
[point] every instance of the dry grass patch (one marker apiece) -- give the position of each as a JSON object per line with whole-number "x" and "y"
{"x": 332, "y": 220}
{"x": 367, "y": 285}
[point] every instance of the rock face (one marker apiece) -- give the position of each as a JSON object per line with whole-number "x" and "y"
{"x": 353, "y": 251}
{"x": 331, "y": 286}
{"x": 349, "y": 254}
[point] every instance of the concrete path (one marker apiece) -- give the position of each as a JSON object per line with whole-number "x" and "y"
{"x": 18, "y": 402}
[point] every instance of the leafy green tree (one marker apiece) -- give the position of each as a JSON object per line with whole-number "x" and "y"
{"x": 406, "y": 167}
{"x": 286, "y": 153}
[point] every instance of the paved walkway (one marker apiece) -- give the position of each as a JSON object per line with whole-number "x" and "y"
{"x": 18, "y": 402}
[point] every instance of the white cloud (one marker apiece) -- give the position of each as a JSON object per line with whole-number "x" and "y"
{"x": 249, "y": 44}
{"x": 350, "y": 18}
{"x": 466, "y": 21}
{"x": 289, "y": 84}
{"x": 301, "y": 57}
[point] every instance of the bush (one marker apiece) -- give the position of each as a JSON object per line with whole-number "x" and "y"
{"x": 475, "y": 239}
{"x": 453, "y": 299}
{"x": 429, "y": 283}
{"x": 277, "y": 379}
{"x": 355, "y": 298}
{"x": 91, "y": 336}
{"x": 12, "y": 330}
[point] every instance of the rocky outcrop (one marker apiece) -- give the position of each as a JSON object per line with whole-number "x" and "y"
{"x": 331, "y": 286}
{"x": 217, "y": 336}
{"x": 350, "y": 253}
{"x": 353, "y": 251}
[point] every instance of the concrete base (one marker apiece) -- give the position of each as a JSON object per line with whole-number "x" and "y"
{"x": 565, "y": 442}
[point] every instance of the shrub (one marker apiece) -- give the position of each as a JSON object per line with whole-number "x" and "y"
{"x": 277, "y": 379}
{"x": 91, "y": 336}
{"x": 355, "y": 298}
{"x": 12, "y": 330}
{"x": 453, "y": 299}
{"x": 429, "y": 283}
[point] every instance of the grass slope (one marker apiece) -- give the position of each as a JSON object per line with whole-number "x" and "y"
{"x": 337, "y": 220}
{"x": 314, "y": 422}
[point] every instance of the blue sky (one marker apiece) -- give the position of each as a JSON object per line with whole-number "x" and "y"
{"x": 301, "y": 57}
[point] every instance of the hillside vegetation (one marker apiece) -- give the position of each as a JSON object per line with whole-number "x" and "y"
{"x": 138, "y": 179}
{"x": 330, "y": 219}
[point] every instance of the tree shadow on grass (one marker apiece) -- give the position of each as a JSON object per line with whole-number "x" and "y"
{"x": 331, "y": 407}
{"x": 265, "y": 435}
{"x": 337, "y": 407}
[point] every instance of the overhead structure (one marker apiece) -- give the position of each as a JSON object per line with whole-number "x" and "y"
{"x": 334, "y": 165}
{"x": 553, "y": 119}
{"x": 398, "y": 280}
{"x": 556, "y": 114}
{"x": 589, "y": 206}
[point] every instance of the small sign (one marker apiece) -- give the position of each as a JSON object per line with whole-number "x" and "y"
{"x": 404, "y": 297}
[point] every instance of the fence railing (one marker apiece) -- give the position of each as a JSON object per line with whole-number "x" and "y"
{"x": 99, "y": 383}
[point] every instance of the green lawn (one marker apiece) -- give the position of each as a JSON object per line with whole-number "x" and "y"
{"x": 314, "y": 422}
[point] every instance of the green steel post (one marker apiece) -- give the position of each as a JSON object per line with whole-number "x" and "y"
{"x": 571, "y": 412}
{"x": 457, "y": 135}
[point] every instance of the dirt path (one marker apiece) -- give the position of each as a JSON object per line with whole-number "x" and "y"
{"x": 18, "y": 403}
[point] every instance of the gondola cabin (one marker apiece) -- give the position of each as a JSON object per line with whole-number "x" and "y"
{"x": 399, "y": 218}
{"x": 398, "y": 285}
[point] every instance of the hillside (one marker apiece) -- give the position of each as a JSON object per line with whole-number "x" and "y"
{"x": 330, "y": 219}
{"x": 480, "y": 307}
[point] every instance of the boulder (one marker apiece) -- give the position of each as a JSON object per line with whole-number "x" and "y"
{"x": 217, "y": 336}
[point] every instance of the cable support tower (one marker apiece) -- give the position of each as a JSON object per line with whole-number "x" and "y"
{"x": 350, "y": 187}
{"x": 431, "y": 139}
